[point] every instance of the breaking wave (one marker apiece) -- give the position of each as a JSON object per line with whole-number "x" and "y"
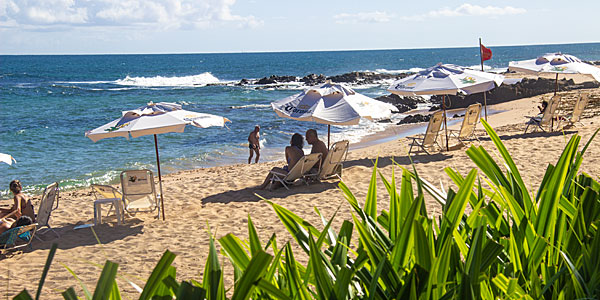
{"x": 160, "y": 81}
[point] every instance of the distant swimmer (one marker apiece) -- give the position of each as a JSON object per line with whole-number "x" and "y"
{"x": 254, "y": 144}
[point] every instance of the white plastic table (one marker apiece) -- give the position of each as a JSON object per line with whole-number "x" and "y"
{"x": 116, "y": 202}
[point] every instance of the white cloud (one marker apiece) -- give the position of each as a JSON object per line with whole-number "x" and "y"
{"x": 363, "y": 17}
{"x": 164, "y": 14}
{"x": 465, "y": 10}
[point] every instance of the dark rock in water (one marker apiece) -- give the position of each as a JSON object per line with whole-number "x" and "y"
{"x": 416, "y": 118}
{"x": 458, "y": 116}
{"x": 403, "y": 104}
{"x": 435, "y": 107}
{"x": 313, "y": 79}
{"x": 365, "y": 77}
{"x": 276, "y": 79}
{"x": 244, "y": 81}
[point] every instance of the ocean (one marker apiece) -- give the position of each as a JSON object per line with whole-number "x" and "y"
{"x": 47, "y": 102}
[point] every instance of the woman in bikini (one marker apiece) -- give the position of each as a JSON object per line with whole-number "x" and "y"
{"x": 21, "y": 207}
{"x": 293, "y": 154}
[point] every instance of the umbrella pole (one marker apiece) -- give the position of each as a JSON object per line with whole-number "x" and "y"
{"x": 556, "y": 84}
{"x": 162, "y": 203}
{"x": 485, "y": 104}
{"x": 445, "y": 123}
{"x": 328, "y": 134}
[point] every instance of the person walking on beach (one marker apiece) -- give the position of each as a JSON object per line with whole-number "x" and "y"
{"x": 254, "y": 144}
{"x": 317, "y": 145}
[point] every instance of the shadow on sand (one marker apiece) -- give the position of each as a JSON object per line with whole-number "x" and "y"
{"x": 248, "y": 194}
{"x": 70, "y": 238}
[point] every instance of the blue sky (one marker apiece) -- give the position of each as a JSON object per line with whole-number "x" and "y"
{"x": 187, "y": 26}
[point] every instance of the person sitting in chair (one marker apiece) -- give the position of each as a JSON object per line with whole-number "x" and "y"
{"x": 21, "y": 207}
{"x": 317, "y": 145}
{"x": 22, "y": 221}
{"x": 293, "y": 154}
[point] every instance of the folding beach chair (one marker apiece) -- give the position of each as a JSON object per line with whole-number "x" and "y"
{"x": 429, "y": 140}
{"x": 547, "y": 119}
{"x": 139, "y": 192}
{"x": 578, "y": 109}
{"x": 301, "y": 170}
{"x": 18, "y": 237}
{"x": 48, "y": 204}
{"x": 467, "y": 129}
{"x": 332, "y": 164}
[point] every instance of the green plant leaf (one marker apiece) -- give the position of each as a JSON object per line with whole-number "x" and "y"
{"x": 256, "y": 268}
{"x": 104, "y": 286}
{"x": 160, "y": 271}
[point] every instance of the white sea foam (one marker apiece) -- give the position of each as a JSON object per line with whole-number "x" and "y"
{"x": 487, "y": 68}
{"x": 395, "y": 72}
{"x": 250, "y": 106}
{"x": 176, "y": 81}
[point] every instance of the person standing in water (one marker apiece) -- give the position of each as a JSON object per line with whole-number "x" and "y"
{"x": 254, "y": 144}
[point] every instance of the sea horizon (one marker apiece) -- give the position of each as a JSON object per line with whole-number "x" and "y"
{"x": 301, "y": 51}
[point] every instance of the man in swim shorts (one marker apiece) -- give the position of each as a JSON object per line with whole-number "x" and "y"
{"x": 254, "y": 144}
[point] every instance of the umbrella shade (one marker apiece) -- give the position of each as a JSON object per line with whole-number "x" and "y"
{"x": 154, "y": 118}
{"x": 332, "y": 104}
{"x": 446, "y": 79}
{"x": 555, "y": 63}
{"x": 6, "y": 158}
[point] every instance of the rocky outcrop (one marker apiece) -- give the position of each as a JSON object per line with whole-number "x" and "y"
{"x": 314, "y": 79}
{"x": 403, "y": 104}
{"x": 416, "y": 118}
{"x": 276, "y": 79}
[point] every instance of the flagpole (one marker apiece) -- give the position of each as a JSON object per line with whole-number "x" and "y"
{"x": 484, "y": 95}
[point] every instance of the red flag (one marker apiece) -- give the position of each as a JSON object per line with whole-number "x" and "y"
{"x": 486, "y": 53}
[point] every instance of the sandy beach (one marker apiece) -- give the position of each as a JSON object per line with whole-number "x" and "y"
{"x": 222, "y": 198}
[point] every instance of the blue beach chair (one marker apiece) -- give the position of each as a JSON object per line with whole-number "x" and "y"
{"x": 18, "y": 237}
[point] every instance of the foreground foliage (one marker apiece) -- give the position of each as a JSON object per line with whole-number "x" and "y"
{"x": 514, "y": 244}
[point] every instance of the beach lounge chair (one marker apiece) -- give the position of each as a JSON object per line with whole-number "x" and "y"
{"x": 547, "y": 119}
{"x": 332, "y": 164}
{"x": 429, "y": 140}
{"x": 467, "y": 129}
{"x": 301, "y": 170}
{"x": 139, "y": 192}
{"x": 18, "y": 237}
{"x": 578, "y": 110}
{"x": 48, "y": 204}
{"x": 106, "y": 194}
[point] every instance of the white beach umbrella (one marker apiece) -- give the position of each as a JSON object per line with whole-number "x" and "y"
{"x": 332, "y": 104}
{"x": 446, "y": 79}
{"x": 555, "y": 63}
{"x": 154, "y": 118}
{"x": 6, "y": 158}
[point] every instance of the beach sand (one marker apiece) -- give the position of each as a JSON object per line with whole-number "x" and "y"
{"x": 222, "y": 198}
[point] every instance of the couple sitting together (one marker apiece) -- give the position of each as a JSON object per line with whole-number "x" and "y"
{"x": 294, "y": 152}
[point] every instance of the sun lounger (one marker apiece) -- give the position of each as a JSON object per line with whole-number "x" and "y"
{"x": 301, "y": 170}
{"x": 467, "y": 129}
{"x": 139, "y": 192}
{"x": 106, "y": 194}
{"x": 429, "y": 140}
{"x": 18, "y": 237}
{"x": 332, "y": 164}
{"x": 547, "y": 119}
{"x": 48, "y": 204}
{"x": 578, "y": 109}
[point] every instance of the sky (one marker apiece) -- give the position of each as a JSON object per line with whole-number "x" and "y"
{"x": 204, "y": 26}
